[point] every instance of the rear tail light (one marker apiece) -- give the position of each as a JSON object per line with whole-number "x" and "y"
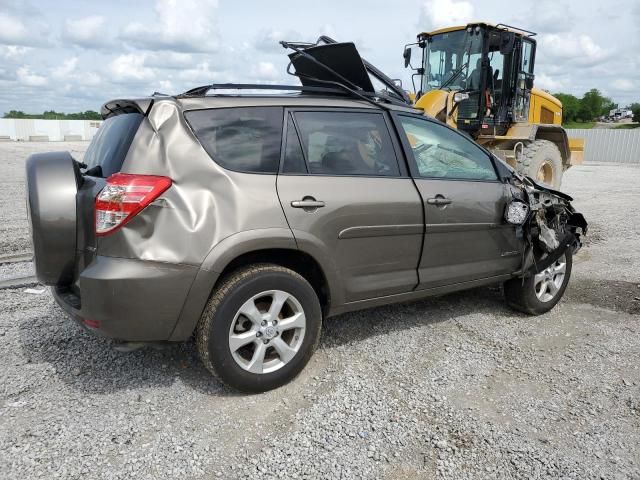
{"x": 124, "y": 197}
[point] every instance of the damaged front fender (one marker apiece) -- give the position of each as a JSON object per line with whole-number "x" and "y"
{"x": 550, "y": 227}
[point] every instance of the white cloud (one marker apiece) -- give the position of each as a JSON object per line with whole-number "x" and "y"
{"x": 445, "y": 13}
{"x": 86, "y": 32}
{"x": 66, "y": 69}
{"x": 26, "y": 77}
{"x": 11, "y": 52}
{"x": 130, "y": 68}
{"x": 200, "y": 74}
{"x": 180, "y": 26}
{"x": 624, "y": 84}
{"x": 13, "y": 31}
{"x": 577, "y": 49}
{"x": 88, "y": 79}
{"x": 169, "y": 60}
{"x": 268, "y": 40}
{"x": 266, "y": 71}
{"x": 545, "y": 82}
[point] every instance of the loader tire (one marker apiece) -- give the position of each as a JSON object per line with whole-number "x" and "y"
{"x": 542, "y": 161}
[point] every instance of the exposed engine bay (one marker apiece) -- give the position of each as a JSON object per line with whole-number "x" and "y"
{"x": 546, "y": 221}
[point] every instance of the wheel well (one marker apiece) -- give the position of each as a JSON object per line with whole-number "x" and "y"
{"x": 300, "y": 262}
{"x": 557, "y": 136}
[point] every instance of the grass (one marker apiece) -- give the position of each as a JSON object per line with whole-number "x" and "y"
{"x": 579, "y": 125}
{"x": 626, "y": 126}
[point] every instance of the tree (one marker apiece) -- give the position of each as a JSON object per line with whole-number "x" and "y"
{"x": 591, "y": 105}
{"x": 53, "y": 115}
{"x": 570, "y": 106}
{"x": 635, "y": 108}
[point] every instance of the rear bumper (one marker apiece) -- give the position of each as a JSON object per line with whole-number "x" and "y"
{"x": 127, "y": 299}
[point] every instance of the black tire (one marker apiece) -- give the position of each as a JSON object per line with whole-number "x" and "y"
{"x": 521, "y": 294}
{"x": 539, "y": 153}
{"x": 212, "y": 335}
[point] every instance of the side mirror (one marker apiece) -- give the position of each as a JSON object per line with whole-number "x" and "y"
{"x": 407, "y": 56}
{"x": 528, "y": 82}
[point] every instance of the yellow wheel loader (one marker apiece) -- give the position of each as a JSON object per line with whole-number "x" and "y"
{"x": 478, "y": 78}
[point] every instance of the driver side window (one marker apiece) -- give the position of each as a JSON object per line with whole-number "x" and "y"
{"x": 440, "y": 152}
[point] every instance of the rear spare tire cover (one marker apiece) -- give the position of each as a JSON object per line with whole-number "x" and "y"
{"x": 52, "y": 184}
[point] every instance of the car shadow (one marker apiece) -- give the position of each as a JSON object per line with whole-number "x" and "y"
{"x": 90, "y": 363}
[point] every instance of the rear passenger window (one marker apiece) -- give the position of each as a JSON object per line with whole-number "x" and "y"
{"x": 245, "y": 139}
{"x": 347, "y": 143}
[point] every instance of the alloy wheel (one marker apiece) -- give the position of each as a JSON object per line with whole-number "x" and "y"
{"x": 547, "y": 283}
{"x": 267, "y": 331}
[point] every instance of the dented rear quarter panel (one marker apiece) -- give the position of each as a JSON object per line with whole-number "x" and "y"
{"x": 208, "y": 217}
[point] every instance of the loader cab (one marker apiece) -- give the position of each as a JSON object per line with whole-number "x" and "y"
{"x": 485, "y": 70}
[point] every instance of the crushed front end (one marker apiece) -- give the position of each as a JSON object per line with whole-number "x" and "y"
{"x": 546, "y": 221}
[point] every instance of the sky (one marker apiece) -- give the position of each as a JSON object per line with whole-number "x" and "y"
{"x": 73, "y": 56}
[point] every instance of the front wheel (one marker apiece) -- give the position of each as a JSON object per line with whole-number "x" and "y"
{"x": 539, "y": 293}
{"x": 260, "y": 328}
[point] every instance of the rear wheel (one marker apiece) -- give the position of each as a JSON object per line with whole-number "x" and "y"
{"x": 542, "y": 161}
{"x": 539, "y": 293}
{"x": 260, "y": 328}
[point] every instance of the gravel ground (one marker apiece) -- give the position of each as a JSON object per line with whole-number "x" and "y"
{"x": 455, "y": 387}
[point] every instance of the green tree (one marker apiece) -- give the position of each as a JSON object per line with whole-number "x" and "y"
{"x": 635, "y": 108}
{"x": 53, "y": 115}
{"x": 570, "y": 106}
{"x": 591, "y": 105}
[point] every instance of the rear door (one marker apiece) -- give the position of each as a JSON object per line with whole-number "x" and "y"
{"x": 465, "y": 236}
{"x": 344, "y": 192}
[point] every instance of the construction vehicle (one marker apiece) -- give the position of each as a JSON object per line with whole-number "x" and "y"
{"x": 479, "y": 79}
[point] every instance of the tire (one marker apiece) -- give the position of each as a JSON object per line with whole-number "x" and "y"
{"x": 522, "y": 295}
{"x": 542, "y": 156}
{"x": 224, "y": 323}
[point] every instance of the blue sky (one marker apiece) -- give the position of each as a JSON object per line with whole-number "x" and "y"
{"x": 71, "y": 55}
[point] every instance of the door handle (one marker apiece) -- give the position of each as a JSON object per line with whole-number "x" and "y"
{"x": 439, "y": 200}
{"x": 307, "y": 203}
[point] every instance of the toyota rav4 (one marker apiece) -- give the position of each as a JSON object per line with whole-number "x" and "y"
{"x": 245, "y": 219}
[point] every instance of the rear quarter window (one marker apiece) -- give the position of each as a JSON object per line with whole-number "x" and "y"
{"x": 244, "y": 139}
{"x": 110, "y": 144}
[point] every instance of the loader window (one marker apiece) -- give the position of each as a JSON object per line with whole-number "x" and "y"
{"x": 450, "y": 59}
{"x": 527, "y": 57}
{"x": 440, "y": 152}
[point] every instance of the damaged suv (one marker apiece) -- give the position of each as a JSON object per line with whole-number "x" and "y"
{"x": 245, "y": 219}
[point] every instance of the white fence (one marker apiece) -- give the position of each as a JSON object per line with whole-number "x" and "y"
{"x": 609, "y": 145}
{"x": 47, "y": 130}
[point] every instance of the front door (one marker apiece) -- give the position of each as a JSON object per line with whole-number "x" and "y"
{"x": 465, "y": 236}
{"x": 344, "y": 192}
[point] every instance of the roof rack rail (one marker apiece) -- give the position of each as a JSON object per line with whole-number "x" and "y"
{"x": 204, "y": 89}
{"x": 528, "y": 33}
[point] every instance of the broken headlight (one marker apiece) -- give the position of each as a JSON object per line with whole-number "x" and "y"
{"x": 516, "y": 212}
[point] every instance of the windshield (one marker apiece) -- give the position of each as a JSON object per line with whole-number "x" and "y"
{"x": 452, "y": 60}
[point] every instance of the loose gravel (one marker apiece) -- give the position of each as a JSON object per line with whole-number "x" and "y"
{"x": 454, "y": 387}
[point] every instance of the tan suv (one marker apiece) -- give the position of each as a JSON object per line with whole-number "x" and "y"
{"x": 247, "y": 219}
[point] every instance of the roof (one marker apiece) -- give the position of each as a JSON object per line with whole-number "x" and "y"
{"x": 500, "y": 26}
{"x": 243, "y": 100}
